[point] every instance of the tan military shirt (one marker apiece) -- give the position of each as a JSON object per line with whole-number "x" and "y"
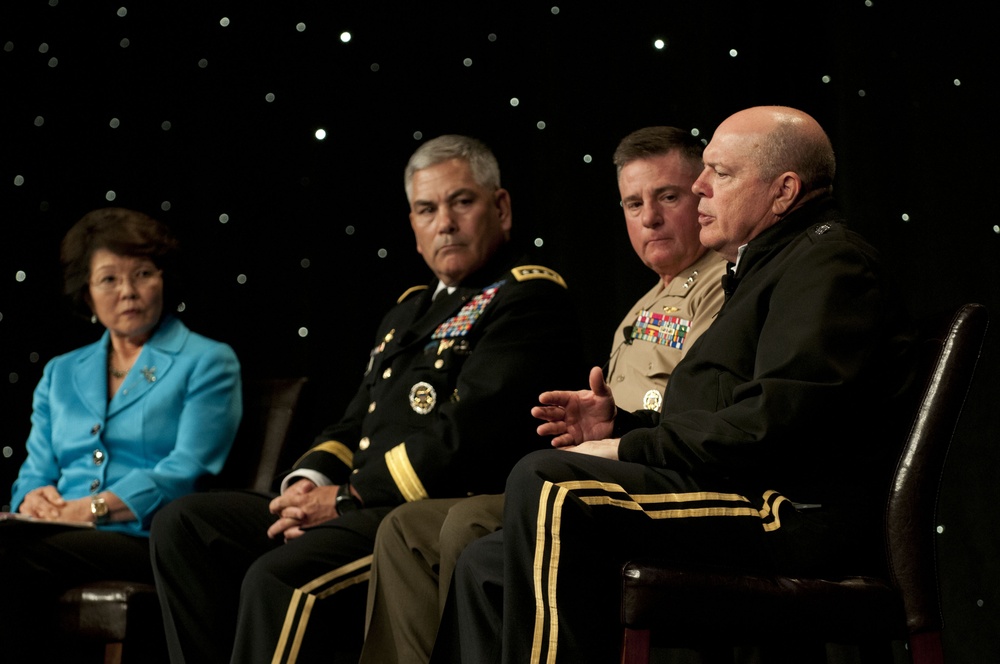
{"x": 657, "y": 331}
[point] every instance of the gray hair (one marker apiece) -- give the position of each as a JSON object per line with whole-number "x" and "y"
{"x": 480, "y": 158}
{"x": 792, "y": 147}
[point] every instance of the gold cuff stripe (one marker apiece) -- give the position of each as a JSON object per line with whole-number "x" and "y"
{"x": 537, "y": 567}
{"x": 334, "y": 447}
{"x": 403, "y": 474}
{"x": 655, "y": 497}
{"x": 527, "y": 272}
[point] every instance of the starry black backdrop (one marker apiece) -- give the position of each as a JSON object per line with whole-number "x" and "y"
{"x": 206, "y": 115}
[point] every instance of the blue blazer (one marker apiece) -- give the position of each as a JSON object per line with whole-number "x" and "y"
{"x": 172, "y": 421}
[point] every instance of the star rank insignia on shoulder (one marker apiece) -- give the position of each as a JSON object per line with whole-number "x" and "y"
{"x": 527, "y": 272}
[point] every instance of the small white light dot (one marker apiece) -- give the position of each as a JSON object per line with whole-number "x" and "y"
{"x": 33, "y": 357}
{"x": 320, "y": 134}
{"x": 659, "y": 44}
{"x": 540, "y": 124}
{"x": 181, "y": 306}
{"x": 825, "y": 79}
{"x": 13, "y": 377}
{"x": 417, "y": 135}
{"x": 587, "y": 159}
{"x": 122, "y": 11}
{"x": 300, "y": 27}
{"x": 345, "y": 37}
{"x": 165, "y": 205}
{"x": 115, "y": 123}
{"x": 349, "y": 230}
{"x": 861, "y": 93}
{"x": 539, "y": 241}
{"x": 696, "y": 132}
{"x": 223, "y": 218}
{"x": 241, "y": 278}
{"x": 18, "y": 180}
{"x": 996, "y": 229}
{"x": 492, "y": 37}
{"x": 305, "y": 262}
{"x": 957, "y": 82}
{"x": 905, "y": 217}
{"x": 165, "y": 125}
{"x": 8, "y": 47}
{"x": 514, "y": 101}
{"x": 224, "y": 22}
{"x": 374, "y": 66}
{"x": 124, "y": 43}
{"x": 203, "y": 63}
{"x": 382, "y": 253}
{"x": 269, "y": 97}
{"x": 43, "y": 48}
{"x": 467, "y": 62}
{"x": 869, "y": 3}
{"x": 110, "y": 196}
{"x": 20, "y": 276}
{"x": 8, "y": 451}
{"x": 940, "y": 529}
{"x": 53, "y": 62}
{"x": 303, "y": 332}
{"x": 979, "y": 602}
{"x": 554, "y": 10}
{"x": 733, "y": 52}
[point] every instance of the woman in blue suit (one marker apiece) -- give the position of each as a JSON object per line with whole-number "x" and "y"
{"x": 119, "y": 427}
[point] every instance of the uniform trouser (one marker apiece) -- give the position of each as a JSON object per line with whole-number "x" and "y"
{"x": 39, "y": 562}
{"x": 546, "y": 588}
{"x": 416, "y": 549}
{"x": 229, "y": 593}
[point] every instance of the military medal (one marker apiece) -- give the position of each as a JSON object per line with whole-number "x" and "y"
{"x": 422, "y": 398}
{"x": 661, "y": 329}
{"x": 652, "y": 400}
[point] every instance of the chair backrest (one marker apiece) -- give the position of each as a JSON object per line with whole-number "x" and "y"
{"x": 948, "y": 353}
{"x": 268, "y": 410}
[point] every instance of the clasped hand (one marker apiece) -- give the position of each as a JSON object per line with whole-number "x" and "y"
{"x": 301, "y": 506}
{"x": 46, "y": 503}
{"x": 581, "y": 420}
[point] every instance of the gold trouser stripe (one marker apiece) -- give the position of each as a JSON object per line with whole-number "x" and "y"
{"x": 403, "y": 474}
{"x": 334, "y": 447}
{"x": 547, "y": 600}
{"x": 537, "y": 567}
{"x": 307, "y": 599}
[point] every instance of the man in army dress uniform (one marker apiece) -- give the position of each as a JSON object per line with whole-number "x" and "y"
{"x": 443, "y": 409}
{"x": 418, "y": 544}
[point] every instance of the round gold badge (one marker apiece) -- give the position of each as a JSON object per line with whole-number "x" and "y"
{"x": 652, "y": 400}
{"x": 422, "y": 398}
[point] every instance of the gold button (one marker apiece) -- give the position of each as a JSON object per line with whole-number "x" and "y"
{"x": 387, "y": 373}
{"x": 438, "y": 364}
{"x": 98, "y": 457}
{"x": 363, "y": 445}
{"x": 388, "y": 336}
{"x": 354, "y": 472}
{"x": 371, "y": 407}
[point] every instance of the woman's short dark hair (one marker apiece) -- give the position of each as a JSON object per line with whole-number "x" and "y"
{"x": 123, "y": 232}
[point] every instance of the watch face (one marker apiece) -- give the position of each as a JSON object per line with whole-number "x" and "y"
{"x": 98, "y": 507}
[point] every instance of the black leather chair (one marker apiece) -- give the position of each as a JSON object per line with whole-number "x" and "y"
{"x": 125, "y": 616}
{"x": 712, "y": 610}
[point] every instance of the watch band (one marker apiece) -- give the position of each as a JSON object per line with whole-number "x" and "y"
{"x": 345, "y": 501}
{"x": 99, "y": 508}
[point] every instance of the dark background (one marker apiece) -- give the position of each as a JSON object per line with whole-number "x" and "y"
{"x": 296, "y": 245}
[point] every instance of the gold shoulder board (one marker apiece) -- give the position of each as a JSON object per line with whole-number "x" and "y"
{"x": 410, "y": 291}
{"x": 526, "y": 272}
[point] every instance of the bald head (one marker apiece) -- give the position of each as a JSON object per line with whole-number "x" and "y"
{"x": 785, "y": 139}
{"x": 761, "y": 164}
